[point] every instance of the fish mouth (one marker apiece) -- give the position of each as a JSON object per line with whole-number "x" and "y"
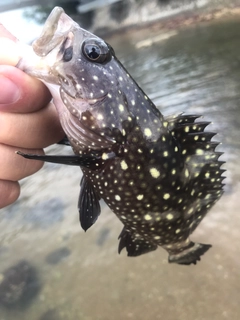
{"x": 38, "y": 59}
{"x": 55, "y": 29}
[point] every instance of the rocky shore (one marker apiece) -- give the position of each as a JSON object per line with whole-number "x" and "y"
{"x": 160, "y": 14}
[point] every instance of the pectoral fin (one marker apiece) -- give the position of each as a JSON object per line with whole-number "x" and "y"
{"x": 134, "y": 244}
{"x": 93, "y": 160}
{"x": 88, "y": 204}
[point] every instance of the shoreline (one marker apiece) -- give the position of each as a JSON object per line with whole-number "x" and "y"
{"x": 177, "y": 21}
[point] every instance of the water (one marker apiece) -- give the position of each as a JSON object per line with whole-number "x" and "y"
{"x": 81, "y": 275}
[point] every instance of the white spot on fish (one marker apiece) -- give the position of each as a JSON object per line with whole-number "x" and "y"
{"x": 147, "y": 217}
{"x": 124, "y": 165}
{"x": 104, "y": 156}
{"x": 147, "y": 132}
{"x": 166, "y": 196}
{"x": 100, "y": 116}
{"x": 121, "y": 107}
{"x": 155, "y": 173}
{"x": 140, "y": 196}
{"x": 199, "y": 152}
{"x": 118, "y": 198}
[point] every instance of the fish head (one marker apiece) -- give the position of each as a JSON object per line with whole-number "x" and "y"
{"x": 70, "y": 57}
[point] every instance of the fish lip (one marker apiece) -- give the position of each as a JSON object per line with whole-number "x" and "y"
{"x": 55, "y": 29}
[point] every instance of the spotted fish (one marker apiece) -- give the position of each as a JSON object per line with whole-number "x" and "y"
{"x": 159, "y": 175}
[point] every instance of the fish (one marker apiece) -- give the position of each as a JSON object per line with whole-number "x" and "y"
{"x": 159, "y": 175}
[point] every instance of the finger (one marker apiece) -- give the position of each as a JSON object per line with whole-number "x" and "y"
{"x": 5, "y": 33}
{"x": 10, "y": 51}
{"x": 20, "y": 167}
{"x": 32, "y": 130}
{"x": 9, "y": 192}
{"x": 16, "y": 86}
{"x": 26, "y": 95}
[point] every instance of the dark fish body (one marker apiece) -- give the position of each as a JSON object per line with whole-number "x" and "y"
{"x": 160, "y": 176}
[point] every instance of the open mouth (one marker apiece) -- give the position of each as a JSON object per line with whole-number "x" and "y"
{"x": 56, "y": 27}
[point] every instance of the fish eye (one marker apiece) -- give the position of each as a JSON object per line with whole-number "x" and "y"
{"x": 68, "y": 53}
{"x": 96, "y": 51}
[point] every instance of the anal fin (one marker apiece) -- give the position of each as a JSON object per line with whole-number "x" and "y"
{"x": 134, "y": 244}
{"x": 88, "y": 204}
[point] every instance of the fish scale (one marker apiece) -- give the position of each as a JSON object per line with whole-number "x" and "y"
{"x": 159, "y": 175}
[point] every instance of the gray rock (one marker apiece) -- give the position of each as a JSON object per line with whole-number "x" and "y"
{"x": 19, "y": 285}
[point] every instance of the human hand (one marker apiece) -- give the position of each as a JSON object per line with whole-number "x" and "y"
{"x": 28, "y": 122}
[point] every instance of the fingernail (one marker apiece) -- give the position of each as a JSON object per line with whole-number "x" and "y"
{"x": 9, "y": 92}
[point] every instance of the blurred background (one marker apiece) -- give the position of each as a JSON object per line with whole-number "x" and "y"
{"x": 186, "y": 57}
